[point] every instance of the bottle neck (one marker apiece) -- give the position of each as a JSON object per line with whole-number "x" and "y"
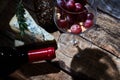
{"x": 8, "y": 55}
{"x": 41, "y": 54}
{"x": 34, "y": 55}
{"x": 11, "y": 58}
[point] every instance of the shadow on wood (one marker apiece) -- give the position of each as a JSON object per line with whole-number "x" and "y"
{"x": 96, "y": 64}
{"x": 40, "y": 68}
{"x": 27, "y": 71}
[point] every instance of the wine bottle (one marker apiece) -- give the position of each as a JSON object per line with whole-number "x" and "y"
{"x": 13, "y": 58}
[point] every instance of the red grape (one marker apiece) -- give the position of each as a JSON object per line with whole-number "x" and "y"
{"x": 61, "y": 3}
{"x": 90, "y": 16}
{"x": 70, "y": 5}
{"x": 78, "y": 7}
{"x": 88, "y": 23}
{"x": 62, "y": 23}
{"x": 76, "y": 29}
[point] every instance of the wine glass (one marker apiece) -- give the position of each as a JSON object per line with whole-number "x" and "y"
{"x": 73, "y": 18}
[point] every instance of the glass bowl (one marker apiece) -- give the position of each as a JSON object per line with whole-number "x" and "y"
{"x": 74, "y": 20}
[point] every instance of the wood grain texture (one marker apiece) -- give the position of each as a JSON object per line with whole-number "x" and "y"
{"x": 105, "y": 34}
{"x": 94, "y": 60}
{"x": 39, "y": 71}
{"x": 91, "y": 61}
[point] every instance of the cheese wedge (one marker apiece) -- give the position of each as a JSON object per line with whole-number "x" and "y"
{"x": 35, "y": 32}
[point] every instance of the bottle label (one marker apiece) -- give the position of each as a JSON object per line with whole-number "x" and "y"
{"x": 41, "y": 54}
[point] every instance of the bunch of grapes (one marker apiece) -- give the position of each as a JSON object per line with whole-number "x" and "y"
{"x": 73, "y": 16}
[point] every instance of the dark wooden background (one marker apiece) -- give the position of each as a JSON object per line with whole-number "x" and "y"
{"x": 100, "y": 45}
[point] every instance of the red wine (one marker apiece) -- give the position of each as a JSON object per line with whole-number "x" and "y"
{"x": 12, "y": 58}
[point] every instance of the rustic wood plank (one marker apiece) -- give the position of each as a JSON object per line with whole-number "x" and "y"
{"x": 39, "y": 71}
{"x": 95, "y": 62}
{"x": 91, "y": 60}
{"x": 106, "y": 34}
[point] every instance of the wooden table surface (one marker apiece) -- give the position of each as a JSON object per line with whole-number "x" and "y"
{"x": 100, "y": 55}
{"x": 98, "y": 59}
